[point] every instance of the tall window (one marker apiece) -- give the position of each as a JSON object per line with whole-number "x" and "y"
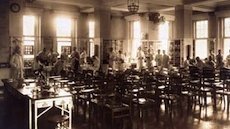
{"x": 164, "y": 35}
{"x": 226, "y": 36}
{"x": 201, "y": 39}
{"x": 29, "y": 36}
{"x": 63, "y": 33}
{"x": 91, "y": 36}
{"x": 136, "y": 37}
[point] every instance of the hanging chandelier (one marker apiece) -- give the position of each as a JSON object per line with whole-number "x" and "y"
{"x": 133, "y": 5}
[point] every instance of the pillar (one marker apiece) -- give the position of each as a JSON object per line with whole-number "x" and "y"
{"x": 102, "y": 28}
{"x": 4, "y": 39}
{"x": 212, "y": 33}
{"x": 183, "y": 29}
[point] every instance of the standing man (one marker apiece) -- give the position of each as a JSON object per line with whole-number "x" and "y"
{"x": 158, "y": 58}
{"x": 212, "y": 55}
{"x": 75, "y": 53}
{"x": 140, "y": 58}
{"x": 83, "y": 57}
{"x": 52, "y": 56}
{"x": 165, "y": 60}
{"x": 112, "y": 57}
{"x": 148, "y": 59}
{"x": 16, "y": 63}
{"x": 75, "y": 65}
{"x": 219, "y": 60}
{"x": 42, "y": 58}
{"x": 96, "y": 63}
{"x": 120, "y": 61}
{"x": 64, "y": 57}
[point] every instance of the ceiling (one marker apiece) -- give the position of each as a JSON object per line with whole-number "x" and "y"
{"x": 163, "y": 6}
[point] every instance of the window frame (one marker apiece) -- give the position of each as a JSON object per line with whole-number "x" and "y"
{"x": 224, "y": 37}
{"x": 30, "y": 38}
{"x": 199, "y": 38}
{"x": 64, "y": 41}
{"x": 91, "y": 43}
{"x": 195, "y": 27}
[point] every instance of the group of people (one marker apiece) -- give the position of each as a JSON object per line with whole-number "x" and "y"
{"x": 50, "y": 61}
{"x": 75, "y": 61}
{"x": 161, "y": 60}
{"x": 212, "y": 61}
{"x": 144, "y": 60}
{"x": 116, "y": 60}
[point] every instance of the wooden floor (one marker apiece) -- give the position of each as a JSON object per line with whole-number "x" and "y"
{"x": 13, "y": 116}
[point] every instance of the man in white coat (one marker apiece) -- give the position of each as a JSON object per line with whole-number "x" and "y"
{"x": 16, "y": 63}
{"x": 140, "y": 58}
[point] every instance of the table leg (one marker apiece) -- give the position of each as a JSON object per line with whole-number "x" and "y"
{"x": 62, "y": 109}
{"x": 70, "y": 116}
{"x": 35, "y": 116}
{"x": 30, "y": 114}
{"x": 214, "y": 98}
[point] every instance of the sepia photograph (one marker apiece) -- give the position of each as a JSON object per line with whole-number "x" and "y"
{"x": 114, "y": 64}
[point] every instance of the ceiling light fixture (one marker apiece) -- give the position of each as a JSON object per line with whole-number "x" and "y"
{"x": 133, "y": 5}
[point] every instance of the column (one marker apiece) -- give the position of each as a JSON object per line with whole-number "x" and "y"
{"x": 102, "y": 28}
{"x": 183, "y": 29}
{"x": 4, "y": 38}
{"x": 102, "y": 31}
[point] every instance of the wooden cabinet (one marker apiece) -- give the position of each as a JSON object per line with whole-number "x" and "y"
{"x": 175, "y": 51}
{"x": 117, "y": 45}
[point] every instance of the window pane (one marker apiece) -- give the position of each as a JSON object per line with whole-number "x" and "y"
{"x": 164, "y": 31}
{"x": 227, "y": 27}
{"x": 28, "y": 42}
{"x": 29, "y": 38}
{"x": 136, "y": 41}
{"x": 92, "y": 49}
{"x": 91, "y": 29}
{"x": 28, "y": 31}
{"x": 226, "y": 47}
{"x": 202, "y": 29}
{"x": 28, "y": 49}
{"x": 201, "y": 48}
{"x": 62, "y": 44}
{"x": 64, "y": 39}
{"x": 137, "y": 30}
{"x": 164, "y": 35}
{"x": 28, "y": 56}
{"x": 29, "y": 25}
{"x": 68, "y": 49}
{"x": 63, "y": 27}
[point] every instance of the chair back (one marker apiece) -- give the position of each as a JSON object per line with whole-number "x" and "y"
{"x": 208, "y": 74}
{"x": 224, "y": 74}
{"x": 194, "y": 72}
